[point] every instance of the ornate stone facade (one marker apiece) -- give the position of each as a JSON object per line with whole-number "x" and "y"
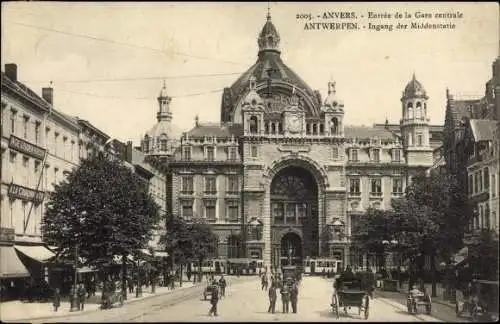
{"x": 283, "y": 174}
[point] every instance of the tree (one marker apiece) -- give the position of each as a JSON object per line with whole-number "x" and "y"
{"x": 484, "y": 255}
{"x": 189, "y": 242}
{"x": 104, "y": 209}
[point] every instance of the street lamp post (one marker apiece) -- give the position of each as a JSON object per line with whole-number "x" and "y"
{"x": 74, "y": 294}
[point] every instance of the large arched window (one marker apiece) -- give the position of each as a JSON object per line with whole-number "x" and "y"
{"x": 254, "y": 230}
{"x": 254, "y": 127}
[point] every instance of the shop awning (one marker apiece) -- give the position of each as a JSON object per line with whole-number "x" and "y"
{"x": 37, "y": 252}
{"x": 10, "y": 265}
{"x": 145, "y": 251}
{"x": 86, "y": 270}
{"x": 161, "y": 254}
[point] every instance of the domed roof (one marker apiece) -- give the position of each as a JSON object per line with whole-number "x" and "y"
{"x": 171, "y": 130}
{"x": 414, "y": 88}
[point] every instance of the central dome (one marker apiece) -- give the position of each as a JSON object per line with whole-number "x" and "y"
{"x": 269, "y": 65}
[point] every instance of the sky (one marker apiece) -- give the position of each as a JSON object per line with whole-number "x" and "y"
{"x": 112, "y": 73}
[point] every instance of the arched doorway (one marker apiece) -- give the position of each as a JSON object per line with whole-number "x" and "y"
{"x": 294, "y": 204}
{"x": 291, "y": 249}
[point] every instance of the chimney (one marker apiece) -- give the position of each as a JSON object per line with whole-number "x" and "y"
{"x": 128, "y": 152}
{"x": 48, "y": 95}
{"x": 11, "y": 71}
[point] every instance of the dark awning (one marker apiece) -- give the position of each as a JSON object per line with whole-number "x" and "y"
{"x": 37, "y": 252}
{"x": 10, "y": 265}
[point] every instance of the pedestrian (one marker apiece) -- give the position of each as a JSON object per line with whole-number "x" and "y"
{"x": 264, "y": 281}
{"x": 81, "y": 297}
{"x": 188, "y": 274}
{"x": 272, "y": 299}
{"x": 57, "y": 299}
{"x": 213, "y": 301}
{"x": 294, "y": 292}
{"x": 285, "y": 298}
{"x": 222, "y": 284}
{"x": 130, "y": 285}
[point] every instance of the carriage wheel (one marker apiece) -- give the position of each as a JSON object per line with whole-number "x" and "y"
{"x": 367, "y": 307}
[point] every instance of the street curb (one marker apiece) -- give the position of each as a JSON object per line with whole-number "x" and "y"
{"x": 22, "y": 320}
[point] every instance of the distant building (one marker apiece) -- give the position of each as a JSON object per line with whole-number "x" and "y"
{"x": 40, "y": 146}
{"x": 282, "y": 174}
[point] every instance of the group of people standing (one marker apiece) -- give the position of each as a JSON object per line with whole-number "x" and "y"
{"x": 288, "y": 289}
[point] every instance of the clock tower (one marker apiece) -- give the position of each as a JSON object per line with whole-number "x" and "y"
{"x": 294, "y": 118}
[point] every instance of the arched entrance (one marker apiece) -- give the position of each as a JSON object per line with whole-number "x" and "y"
{"x": 294, "y": 205}
{"x": 291, "y": 249}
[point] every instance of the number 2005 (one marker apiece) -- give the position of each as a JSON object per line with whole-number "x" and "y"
{"x": 304, "y": 16}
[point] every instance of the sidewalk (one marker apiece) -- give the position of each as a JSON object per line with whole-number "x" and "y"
{"x": 20, "y": 311}
{"x": 16, "y": 310}
{"x": 439, "y": 294}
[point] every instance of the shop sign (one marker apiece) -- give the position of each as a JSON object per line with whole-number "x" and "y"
{"x": 7, "y": 234}
{"x": 24, "y": 193}
{"x": 26, "y": 147}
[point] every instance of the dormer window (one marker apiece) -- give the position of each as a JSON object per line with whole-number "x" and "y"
{"x": 353, "y": 156}
{"x": 376, "y": 155}
{"x": 232, "y": 154}
{"x": 254, "y": 125}
{"x": 210, "y": 153}
{"x": 334, "y": 126}
{"x": 186, "y": 153}
{"x": 396, "y": 155}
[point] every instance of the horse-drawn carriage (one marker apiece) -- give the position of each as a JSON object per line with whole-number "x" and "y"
{"x": 415, "y": 302}
{"x": 351, "y": 294}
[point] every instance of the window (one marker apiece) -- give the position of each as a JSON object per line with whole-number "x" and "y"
{"x": 397, "y": 186}
{"x": 480, "y": 178}
{"x": 397, "y": 155}
{"x": 186, "y": 153}
{"x": 420, "y": 140}
{"x": 254, "y": 151}
{"x": 13, "y": 115}
{"x": 210, "y": 208}
{"x": 232, "y": 211}
{"x": 25, "y": 126}
{"x": 334, "y": 126}
{"x": 25, "y": 214}
{"x": 210, "y": 185}
{"x": 232, "y": 154}
{"x": 418, "y": 110}
{"x": 163, "y": 144}
{"x": 12, "y": 157}
{"x": 37, "y": 132}
{"x": 290, "y": 213}
{"x": 278, "y": 213}
{"x": 471, "y": 184}
{"x": 56, "y": 136}
{"x": 187, "y": 185}
{"x": 187, "y": 210}
{"x": 476, "y": 182}
{"x": 353, "y": 157}
{"x": 335, "y": 153}
{"x": 37, "y": 168}
{"x": 65, "y": 140}
{"x": 486, "y": 175}
{"x": 232, "y": 184}
{"x": 354, "y": 185}
{"x": 210, "y": 153}
{"x": 493, "y": 185}
{"x": 26, "y": 176}
{"x": 376, "y": 187}
{"x": 254, "y": 128}
{"x": 376, "y": 155}
{"x": 56, "y": 174}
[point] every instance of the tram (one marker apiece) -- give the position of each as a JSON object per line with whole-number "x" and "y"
{"x": 317, "y": 266}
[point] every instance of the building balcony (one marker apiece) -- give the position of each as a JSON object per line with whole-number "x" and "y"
{"x": 232, "y": 193}
{"x": 376, "y": 194}
{"x": 210, "y": 192}
{"x": 397, "y": 194}
{"x": 187, "y": 192}
{"x": 354, "y": 194}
